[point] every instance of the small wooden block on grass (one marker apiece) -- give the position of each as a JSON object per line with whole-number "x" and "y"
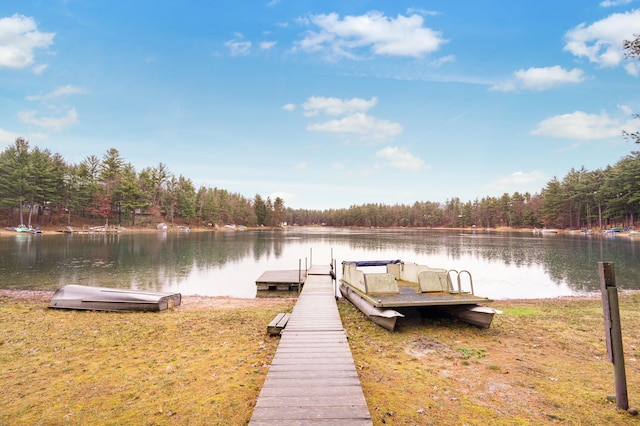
{"x": 278, "y": 323}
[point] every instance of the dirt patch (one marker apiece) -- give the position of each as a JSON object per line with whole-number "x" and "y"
{"x": 191, "y": 302}
{"x": 422, "y": 347}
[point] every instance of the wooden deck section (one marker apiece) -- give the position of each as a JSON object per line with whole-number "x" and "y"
{"x": 280, "y": 280}
{"x": 410, "y": 297}
{"x": 312, "y": 378}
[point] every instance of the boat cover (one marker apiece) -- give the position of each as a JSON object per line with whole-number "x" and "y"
{"x": 372, "y": 262}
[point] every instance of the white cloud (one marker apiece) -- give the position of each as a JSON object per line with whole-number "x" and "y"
{"x": 602, "y": 41}
{"x": 367, "y": 127}
{"x": 422, "y": 12}
{"x": 583, "y": 126}
{"x": 286, "y": 196}
{"x": 611, "y": 3}
{"x": 399, "y": 158}
{"x": 289, "y": 107}
{"x": 301, "y": 165}
{"x": 335, "y": 106}
{"x": 443, "y": 60}
{"x": 39, "y": 69}
{"x": 49, "y": 123}
{"x": 58, "y": 92}
{"x": 516, "y": 181}
{"x": 354, "y": 119}
{"x": 540, "y": 79}
{"x": 19, "y": 37}
{"x": 633, "y": 68}
{"x": 238, "y": 47}
{"x": 267, "y": 45}
{"x": 381, "y": 35}
{"x": 8, "y": 137}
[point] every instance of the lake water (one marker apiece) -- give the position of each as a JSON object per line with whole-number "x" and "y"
{"x": 503, "y": 265}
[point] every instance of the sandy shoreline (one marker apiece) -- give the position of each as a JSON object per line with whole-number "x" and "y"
{"x": 188, "y": 302}
{"x": 195, "y": 301}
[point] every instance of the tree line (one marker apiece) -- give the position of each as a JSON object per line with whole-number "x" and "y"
{"x": 598, "y": 199}
{"x": 38, "y": 188}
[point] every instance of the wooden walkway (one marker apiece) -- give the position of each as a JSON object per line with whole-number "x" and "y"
{"x": 312, "y": 378}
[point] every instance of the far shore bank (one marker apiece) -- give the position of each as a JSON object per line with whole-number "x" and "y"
{"x": 59, "y": 229}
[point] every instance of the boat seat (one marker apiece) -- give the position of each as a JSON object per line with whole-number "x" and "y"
{"x": 434, "y": 280}
{"x": 381, "y": 283}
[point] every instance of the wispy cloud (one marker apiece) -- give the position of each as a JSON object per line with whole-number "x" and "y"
{"x": 59, "y": 92}
{"x": 519, "y": 181}
{"x": 7, "y": 136}
{"x": 538, "y": 79}
{"x": 400, "y": 158}
{"x": 39, "y": 69}
{"x": 238, "y": 46}
{"x": 335, "y": 106}
{"x": 612, "y": 3}
{"x": 267, "y": 45}
{"x": 55, "y": 124}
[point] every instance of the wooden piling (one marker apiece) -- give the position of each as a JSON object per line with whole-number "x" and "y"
{"x": 613, "y": 331}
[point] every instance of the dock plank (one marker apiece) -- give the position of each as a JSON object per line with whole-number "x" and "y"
{"x": 312, "y": 377}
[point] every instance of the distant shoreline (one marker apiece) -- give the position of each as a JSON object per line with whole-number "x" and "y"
{"x": 58, "y": 229}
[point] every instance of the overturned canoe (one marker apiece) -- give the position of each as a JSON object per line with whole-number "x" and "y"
{"x": 112, "y": 299}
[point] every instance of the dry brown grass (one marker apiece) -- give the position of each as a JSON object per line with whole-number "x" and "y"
{"x": 193, "y": 365}
{"x": 541, "y": 362}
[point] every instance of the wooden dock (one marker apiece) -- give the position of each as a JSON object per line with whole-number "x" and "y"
{"x": 287, "y": 280}
{"x": 312, "y": 378}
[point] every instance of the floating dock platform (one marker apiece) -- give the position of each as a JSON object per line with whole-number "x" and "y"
{"x": 281, "y": 280}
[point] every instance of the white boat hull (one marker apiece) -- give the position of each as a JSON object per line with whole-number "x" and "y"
{"x": 112, "y": 299}
{"x": 385, "y": 318}
{"x": 480, "y": 316}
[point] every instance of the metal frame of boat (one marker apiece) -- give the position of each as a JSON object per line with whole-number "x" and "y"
{"x": 112, "y": 299}
{"x": 409, "y": 285}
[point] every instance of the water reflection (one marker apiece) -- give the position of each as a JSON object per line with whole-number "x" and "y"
{"x": 504, "y": 265}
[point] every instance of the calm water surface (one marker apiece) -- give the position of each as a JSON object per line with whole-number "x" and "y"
{"x": 503, "y": 265}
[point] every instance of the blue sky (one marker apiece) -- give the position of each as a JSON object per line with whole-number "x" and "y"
{"x": 327, "y": 104}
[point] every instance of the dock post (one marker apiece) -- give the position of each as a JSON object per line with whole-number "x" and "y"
{"x": 299, "y": 275}
{"x": 613, "y": 331}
